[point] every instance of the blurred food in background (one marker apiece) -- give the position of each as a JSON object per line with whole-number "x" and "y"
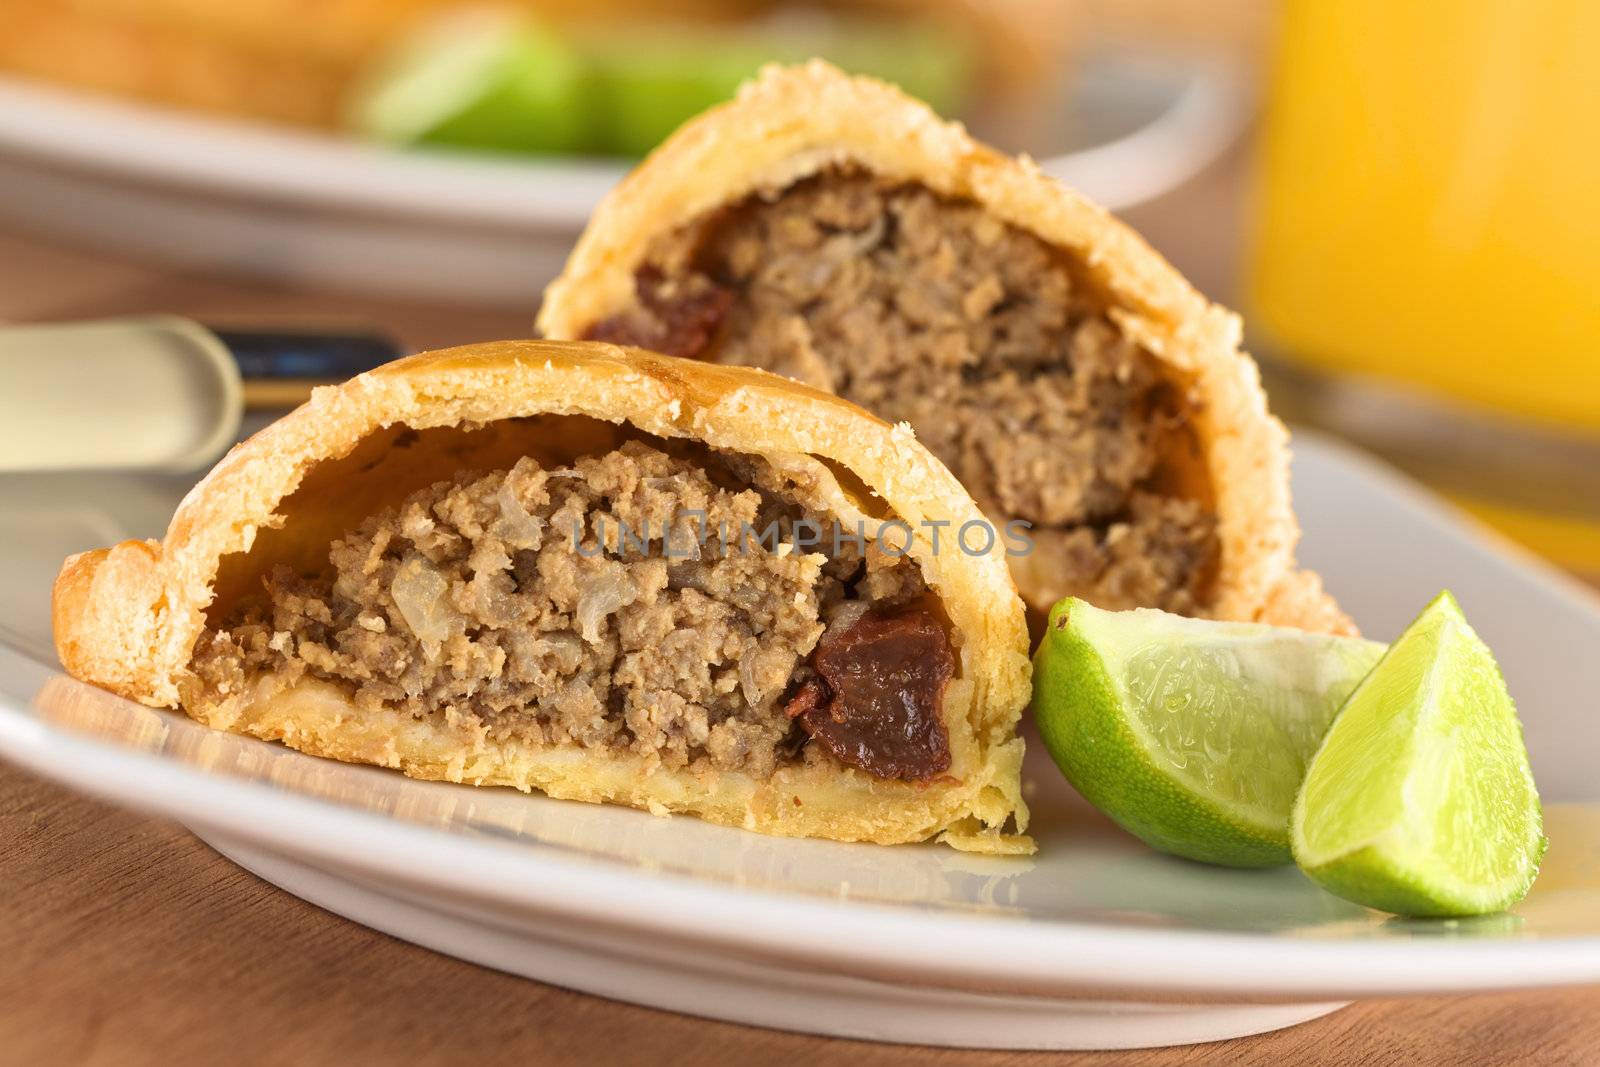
{"x": 1424, "y": 232}
{"x": 601, "y": 77}
{"x": 224, "y": 135}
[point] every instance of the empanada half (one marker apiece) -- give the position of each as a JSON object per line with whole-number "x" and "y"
{"x": 600, "y": 573}
{"x": 835, "y": 231}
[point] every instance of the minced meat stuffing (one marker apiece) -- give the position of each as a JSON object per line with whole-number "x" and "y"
{"x": 930, "y": 311}
{"x": 627, "y": 602}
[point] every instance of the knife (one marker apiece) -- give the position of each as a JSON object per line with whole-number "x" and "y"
{"x": 156, "y": 392}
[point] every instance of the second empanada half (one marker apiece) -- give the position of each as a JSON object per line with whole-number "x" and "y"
{"x": 835, "y": 231}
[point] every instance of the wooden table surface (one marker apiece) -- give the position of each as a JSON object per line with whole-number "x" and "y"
{"x": 124, "y": 940}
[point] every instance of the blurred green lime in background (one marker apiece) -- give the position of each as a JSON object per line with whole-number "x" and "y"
{"x": 496, "y": 81}
{"x": 479, "y": 80}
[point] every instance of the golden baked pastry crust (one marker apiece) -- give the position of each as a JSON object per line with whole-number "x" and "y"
{"x": 795, "y": 122}
{"x": 127, "y": 618}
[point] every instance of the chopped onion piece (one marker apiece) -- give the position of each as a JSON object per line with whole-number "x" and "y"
{"x": 683, "y": 539}
{"x": 517, "y": 527}
{"x": 423, "y": 596}
{"x": 843, "y": 615}
{"x": 565, "y": 649}
{"x": 606, "y": 592}
{"x": 747, "y": 679}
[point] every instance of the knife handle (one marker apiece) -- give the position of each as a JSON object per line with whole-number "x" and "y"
{"x": 155, "y": 392}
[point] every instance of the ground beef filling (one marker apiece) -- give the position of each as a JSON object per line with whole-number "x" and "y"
{"x": 628, "y": 602}
{"x": 929, "y": 311}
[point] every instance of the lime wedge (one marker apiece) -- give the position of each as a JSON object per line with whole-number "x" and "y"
{"x": 1192, "y": 735}
{"x": 1420, "y": 800}
{"x": 478, "y": 78}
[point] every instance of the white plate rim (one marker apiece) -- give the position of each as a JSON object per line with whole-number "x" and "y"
{"x": 1042, "y": 958}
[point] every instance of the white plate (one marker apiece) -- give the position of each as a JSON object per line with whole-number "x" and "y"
{"x": 308, "y": 208}
{"x": 1097, "y": 942}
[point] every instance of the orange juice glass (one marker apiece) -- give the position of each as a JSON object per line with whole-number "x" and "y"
{"x": 1429, "y": 202}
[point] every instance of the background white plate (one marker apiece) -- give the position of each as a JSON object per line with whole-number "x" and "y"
{"x": 1096, "y": 942}
{"x": 316, "y": 209}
